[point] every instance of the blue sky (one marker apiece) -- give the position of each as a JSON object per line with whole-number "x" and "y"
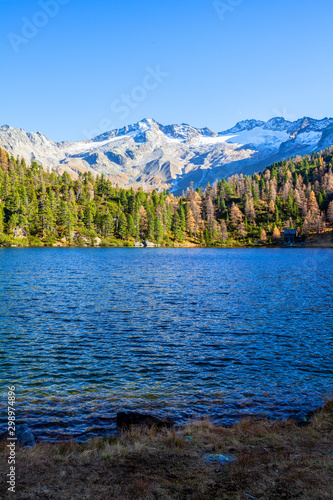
{"x": 75, "y": 68}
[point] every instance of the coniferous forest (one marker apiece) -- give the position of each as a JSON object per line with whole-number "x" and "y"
{"x": 40, "y": 208}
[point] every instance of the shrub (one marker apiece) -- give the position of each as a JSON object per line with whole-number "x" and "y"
{"x": 80, "y": 242}
{"x": 87, "y": 232}
{"x": 34, "y": 241}
{"x": 111, "y": 242}
{"x": 49, "y": 241}
{"x": 6, "y": 240}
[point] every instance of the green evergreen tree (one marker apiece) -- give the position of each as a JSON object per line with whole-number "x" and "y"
{"x": 45, "y": 216}
{"x": 89, "y": 215}
{"x": 2, "y": 218}
{"x": 177, "y": 228}
{"x": 122, "y": 226}
{"x": 159, "y": 231}
{"x": 108, "y": 225}
{"x": 131, "y": 227}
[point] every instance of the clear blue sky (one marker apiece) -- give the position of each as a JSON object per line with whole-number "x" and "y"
{"x": 70, "y": 76}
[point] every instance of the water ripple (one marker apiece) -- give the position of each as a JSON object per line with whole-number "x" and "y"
{"x": 181, "y": 332}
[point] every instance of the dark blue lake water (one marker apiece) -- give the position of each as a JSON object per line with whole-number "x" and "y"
{"x": 179, "y": 332}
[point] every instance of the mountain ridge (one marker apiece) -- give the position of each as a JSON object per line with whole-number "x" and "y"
{"x": 153, "y": 155}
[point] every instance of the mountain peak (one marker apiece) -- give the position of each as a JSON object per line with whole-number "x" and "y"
{"x": 277, "y": 123}
{"x": 158, "y": 156}
{"x": 151, "y": 121}
{"x": 244, "y": 125}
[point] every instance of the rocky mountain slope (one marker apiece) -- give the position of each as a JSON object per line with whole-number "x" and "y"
{"x": 151, "y": 155}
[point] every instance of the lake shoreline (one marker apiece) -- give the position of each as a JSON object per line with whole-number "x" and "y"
{"x": 324, "y": 240}
{"x": 255, "y": 458}
{"x": 178, "y": 425}
{"x": 233, "y": 247}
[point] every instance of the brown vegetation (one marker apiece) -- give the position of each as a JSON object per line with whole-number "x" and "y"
{"x": 274, "y": 460}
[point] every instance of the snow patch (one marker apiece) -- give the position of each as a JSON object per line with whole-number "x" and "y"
{"x": 213, "y": 140}
{"x": 169, "y": 138}
{"x": 257, "y": 136}
{"x": 82, "y": 147}
{"x": 309, "y": 137}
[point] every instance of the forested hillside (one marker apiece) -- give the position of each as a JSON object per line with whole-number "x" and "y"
{"x": 43, "y": 208}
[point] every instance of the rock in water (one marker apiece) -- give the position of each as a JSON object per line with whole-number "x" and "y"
{"x": 127, "y": 419}
{"x": 24, "y": 436}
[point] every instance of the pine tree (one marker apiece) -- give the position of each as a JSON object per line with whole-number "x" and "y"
{"x": 108, "y": 225}
{"x": 236, "y": 215}
{"x": 207, "y": 237}
{"x": 209, "y": 212}
{"x": 122, "y": 226}
{"x": 330, "y": 212}
{"x": 249, "y": 209}
{"x": 177, "y": 228}
{"x": 224, "y": 232}
{"x": 263, "y": 236}
{"x": 131, "y": 226}
{"x": 151, "y": 225}
{"x": 312, "y": 203}
{"x": 12, "y": 202}
{"x": 191, "y": 226}
{"x": 272, "y": 206}
{"x": 276, "y": 234}
{"x": 159, "y": 231}
{"x": 89, "y": 215}
{"x": 65, "y": 219}
{"x": 143, "y": 221}
{"x": 33, "y": 218}
{"x": 2, "y": 216}
{"x": 45, "y": 216}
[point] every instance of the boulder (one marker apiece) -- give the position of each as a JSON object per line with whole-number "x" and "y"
{"x": 24, "y": 436}
{"x": 127, "y": 419}
{"x": 77, "y": 236}
{"x": 20, "y": 233}
{"x": 222, "y": 459}
{"x": 149, "y": 244}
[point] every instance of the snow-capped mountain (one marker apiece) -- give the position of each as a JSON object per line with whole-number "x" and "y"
{"x": 151, "y": 155}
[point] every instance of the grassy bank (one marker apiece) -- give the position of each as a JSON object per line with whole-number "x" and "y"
{"x": 273, "y": 460}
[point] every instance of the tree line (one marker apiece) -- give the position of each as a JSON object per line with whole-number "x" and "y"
{"x": 38, "y": 207}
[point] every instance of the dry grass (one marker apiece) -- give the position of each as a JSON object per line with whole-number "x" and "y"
{"x": 274, "y": 460}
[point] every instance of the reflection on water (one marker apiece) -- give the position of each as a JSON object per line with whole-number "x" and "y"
{"x": 181, "y": 332}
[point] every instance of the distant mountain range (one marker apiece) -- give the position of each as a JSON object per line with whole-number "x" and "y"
{"x": 151, "y": 155}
